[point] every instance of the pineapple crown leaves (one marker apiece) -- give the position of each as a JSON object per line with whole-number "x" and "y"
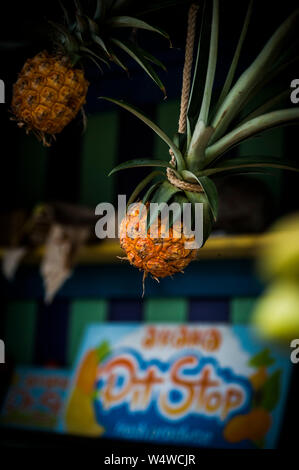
{"x": 93, "y": 34}
{"x": 200, "y": 153}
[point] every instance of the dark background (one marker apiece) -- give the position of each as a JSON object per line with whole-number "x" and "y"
{"x": 23, "y": 33}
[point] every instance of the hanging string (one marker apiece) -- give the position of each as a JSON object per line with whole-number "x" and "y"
{"x": 191, "y": 28}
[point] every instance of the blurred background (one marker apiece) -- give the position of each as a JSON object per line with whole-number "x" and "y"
{"x": 71, "y": 176}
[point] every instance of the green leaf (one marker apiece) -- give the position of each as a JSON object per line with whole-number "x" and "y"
{"x": 100, "y": 43}
{"x": 261, "y": 359}
{"x": 130, "y": 22}
{"x": 117, "y": 61}
{"x": 96, "y": 63}
{"x": 250, "y": 129}
{"x": 133, "y": 52}
{"x": 207, "y": 214}
{"x": 249, "y": 80}
{"x": 234, "y": 64}
{"x": 100, "y": 11}
{"x": 103, "y": 350}
{"x": 246, "y": 163}
{"x": 178, "y": 156}
{"x": 65, "y": 13}
{"x": 209, "y": 188}
{"x": 180, "y": 199}
{"x": 142, "y": 185}
{"x": 180, "y": 140}
{"x": 151, "y": 58}
{"x": 163, "y": 194}
{"x": 93, "y": 54}
{"x": 78, "y": 6}
{"x": 149, "y": 192}
{"x": 205, "y": 106}
{"x": 139, "y": 163}
{"x": 248, "y": 170}
{"x": 271, "y": 391}
{"x": 269, "y": 105}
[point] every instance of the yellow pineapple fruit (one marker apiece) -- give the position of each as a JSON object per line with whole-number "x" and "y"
{"x": 48, "y": 94}
{"x": 51, "y": 87}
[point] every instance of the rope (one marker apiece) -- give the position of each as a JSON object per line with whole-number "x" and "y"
{"x": 184, "y": 185}
{"x": 187, "y": 67}
{"x": 172, "y": 178}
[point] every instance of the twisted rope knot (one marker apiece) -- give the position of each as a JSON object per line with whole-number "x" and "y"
{"x": 184, "y": 185}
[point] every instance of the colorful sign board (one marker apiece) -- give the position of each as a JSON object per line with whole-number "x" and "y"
{"x": 206, "y": 385}
{"x": 35, "y": 398}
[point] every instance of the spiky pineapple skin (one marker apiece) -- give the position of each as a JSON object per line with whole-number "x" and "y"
{"x": 48, "y": 94}
{"x": 161, "y": 256}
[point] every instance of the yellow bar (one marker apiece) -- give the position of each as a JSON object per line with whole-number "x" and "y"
{"x": 107, "y": 251}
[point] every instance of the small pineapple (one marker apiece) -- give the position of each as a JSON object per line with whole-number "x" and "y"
{"x": 160, "y": 256}
{"x": 51, "y": 87}
{"x": 48, "y": 93}
{"x": 200, "y": 151}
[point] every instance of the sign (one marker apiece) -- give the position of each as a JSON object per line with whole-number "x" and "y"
{"x": 35, "y": 398}
{"x": 200, "y": 384}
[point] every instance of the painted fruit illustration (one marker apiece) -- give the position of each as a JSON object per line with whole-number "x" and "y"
{"x": 85, "y": 379}
{"x": 259, "y": 377}
{"x": 80, "y": 417}
{"x": 253, "y": 426}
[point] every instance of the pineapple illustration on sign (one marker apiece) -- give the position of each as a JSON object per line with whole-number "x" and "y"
{"x": 206, "y": 133}
{"x": 254, "y": 425}
{"x": 51, "y": 87}
{"x": 80, "y": 416}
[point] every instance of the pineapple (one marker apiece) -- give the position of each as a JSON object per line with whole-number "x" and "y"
{"x": 51, "y": 87}
{"x": 48, "y": 93}
{"x": 162, "y": 256}
{"x": 199, "y": 152}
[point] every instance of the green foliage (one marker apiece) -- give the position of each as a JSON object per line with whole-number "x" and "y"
{"x": 200, "y": 152}
{"x": 91, "y": 34}
{"x": 262, "y": 359}
{"x": 271, "y": 391}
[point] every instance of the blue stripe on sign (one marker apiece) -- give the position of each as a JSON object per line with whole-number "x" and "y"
{"x": 125, "y": 310}
{"x": 209, "y": 310}
{"x": 51, "y": 333}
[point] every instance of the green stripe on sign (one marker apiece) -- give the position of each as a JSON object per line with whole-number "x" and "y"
{"x": 241, "y": 309}
{"x": 166, "y": 310}
{"x": 99, "y": 153}
{"x": 20, "y": 321}
{"x": 82, "y": 313}
{"x": 167, "y": 119}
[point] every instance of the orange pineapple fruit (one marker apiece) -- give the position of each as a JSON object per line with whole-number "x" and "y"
{"x": 48, "y": 94}
{"x": 160, "y": 256}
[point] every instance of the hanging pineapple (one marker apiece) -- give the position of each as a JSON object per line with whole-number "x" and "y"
{"x": 205, "y": 135}
{"x": 51, "y": 87}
